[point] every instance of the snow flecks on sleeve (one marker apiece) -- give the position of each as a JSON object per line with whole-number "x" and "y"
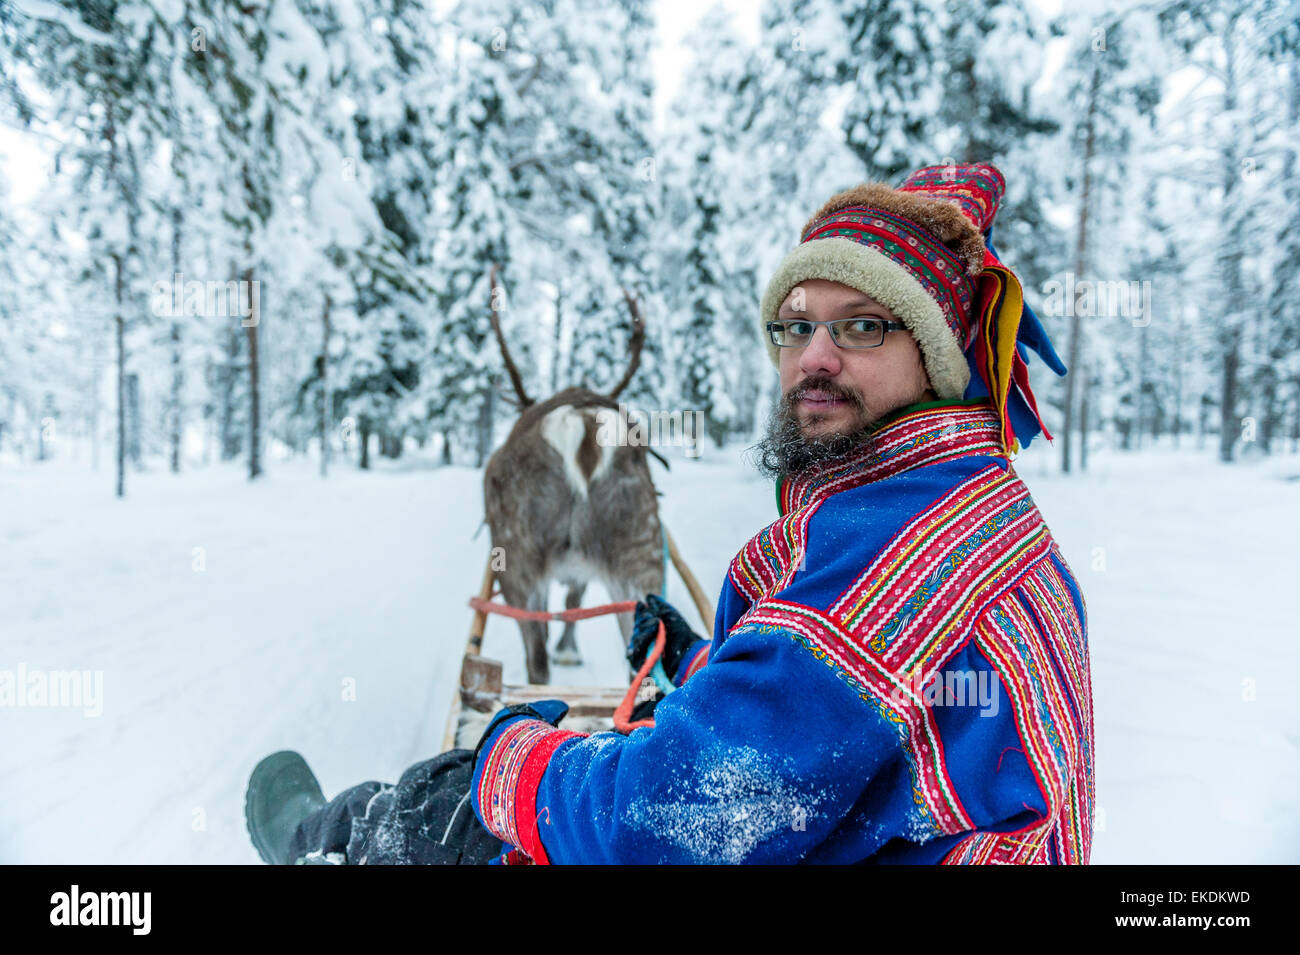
{"x": 918, "y": 826}
{"x": 725, "y": 805}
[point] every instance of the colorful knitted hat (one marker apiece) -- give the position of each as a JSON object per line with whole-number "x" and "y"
{"x": 925, "y": 251}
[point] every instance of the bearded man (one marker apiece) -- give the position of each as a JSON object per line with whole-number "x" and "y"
{"x": 899, "y": 667}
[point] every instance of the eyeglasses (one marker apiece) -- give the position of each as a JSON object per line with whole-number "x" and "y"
{"x": 845, "y": 332}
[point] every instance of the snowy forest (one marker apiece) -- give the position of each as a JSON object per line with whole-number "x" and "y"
{"x": 266, "y": 229}
{"x": 250, "y": 256}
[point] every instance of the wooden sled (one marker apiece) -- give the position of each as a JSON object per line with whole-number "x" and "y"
{"x": 482, "y": 691}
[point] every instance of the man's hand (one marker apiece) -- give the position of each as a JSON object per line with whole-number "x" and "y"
{"x": 678, "y": 637}
{"x": 549, "y": 711}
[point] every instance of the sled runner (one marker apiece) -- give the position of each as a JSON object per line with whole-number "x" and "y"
{"x": 482, "y": 691}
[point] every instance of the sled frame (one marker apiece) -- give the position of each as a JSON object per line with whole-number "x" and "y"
{"x": 481, "y": 685}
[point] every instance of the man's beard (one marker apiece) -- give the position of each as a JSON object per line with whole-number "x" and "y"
{"x": 787, "y": 452}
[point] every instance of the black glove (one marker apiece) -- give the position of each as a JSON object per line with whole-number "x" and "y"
{"x": 548, "y": 711}
{"x": 645, "y": 710}
{"x": 678, "y": 637}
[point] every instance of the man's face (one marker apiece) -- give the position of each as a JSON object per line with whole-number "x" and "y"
{"x": 833, "y": 390}
{"x": 833, "y": 396}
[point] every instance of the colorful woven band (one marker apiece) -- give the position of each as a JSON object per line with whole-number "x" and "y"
{"x": 916, "y": 249}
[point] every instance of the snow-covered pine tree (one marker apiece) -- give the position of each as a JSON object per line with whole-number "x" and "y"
{"x": 174, "y": 192}
{"x": 1110, "y": 82}
{"x": 12, "y": 313}
{"x": 106, "y": 142}
{"x": 710, "y": 308}
{"x": 254, "y": 65}
{"x": 890, "y": 59}
{"x": 478, "y": 117}
{"x": 619, "y": 192}
{"x": 1278, "y": 372}
{"x": 1283, "y": 289}
{"x": 359, "y": 277}
{"x": 538, "y": 167}
{"x": 1229, "y": 43}
{"x": 991, "y": 55}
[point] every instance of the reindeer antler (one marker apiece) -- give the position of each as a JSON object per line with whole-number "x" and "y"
{"x": 637, "y": 340}
{"x": 515, "y": 378}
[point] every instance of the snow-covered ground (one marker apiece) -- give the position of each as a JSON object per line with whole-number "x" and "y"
{"x": 230, "y": 619}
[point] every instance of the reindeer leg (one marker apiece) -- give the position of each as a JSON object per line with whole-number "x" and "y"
{"x": 534, "y": 632}
{"x": 566, "y": 652}
{"x": 539, "y": 667}
{"x": 535, "y": 639}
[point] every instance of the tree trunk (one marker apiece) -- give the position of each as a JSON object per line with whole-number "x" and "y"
{"x": 365, "y": 445}
{"x": 93, "y": 414}
{"x": 325, "y": 390}
{"x": 133, "y": 419}
{"x": 42, "y": 452}
{"x": 1269, "y": 420}
{"x": 255, "y": 397}
{"x": 1228, "y": 424}
{"x": 559, "y": 329}
{"x": 1140, "y": 424}
{"x": 178, "y": 376}
{"x": 1295, "y": 419}
{"x": 178, "y": 384}
{"x": 1178, "y": 374}
{"x": 1083, "y": 425}
{"x": 120, "y": 328}
{"x": 1080, "y": 260}
{"x": 119, "y": 279}
{"x": 226, "y": 379}
{"x": 1230, "y": 253}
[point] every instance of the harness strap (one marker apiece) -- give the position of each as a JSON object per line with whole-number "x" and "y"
{"x": 567, "y": 616}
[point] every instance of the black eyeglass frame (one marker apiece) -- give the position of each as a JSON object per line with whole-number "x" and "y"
{"x": 886, "y": 324}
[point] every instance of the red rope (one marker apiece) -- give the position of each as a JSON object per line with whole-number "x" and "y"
{"x": 567, "y": 616}
{"x": 623, "y": 714}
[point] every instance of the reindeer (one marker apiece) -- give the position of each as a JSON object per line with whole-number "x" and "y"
{"x": 567, "y": 507}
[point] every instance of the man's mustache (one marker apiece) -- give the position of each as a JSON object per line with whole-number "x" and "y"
{"x": 822, "y": 383}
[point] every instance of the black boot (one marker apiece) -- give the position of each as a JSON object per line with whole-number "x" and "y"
{"x": 282, "y": 792}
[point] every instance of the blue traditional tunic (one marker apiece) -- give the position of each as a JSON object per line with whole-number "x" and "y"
{"x": 898, "y": 674}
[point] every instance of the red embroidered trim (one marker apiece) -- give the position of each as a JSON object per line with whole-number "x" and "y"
{"x": 767, "y": 563}
{"x": 696, "y": 665}
{"x": 936, "y": 267}
{"x": 1031, "y": 646}
{"x": 1023, "y": 847}
{"x": 892, "y": 695}
{"x": 920, "y": 438}
{"x": 914, "y": 606}
{"x": 944, "y": 567}
{"x": 512, "y": 773}
{"x": 529, "y": 817}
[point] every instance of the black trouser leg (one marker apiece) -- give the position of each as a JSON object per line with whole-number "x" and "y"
{"x": 426, "y": 819}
